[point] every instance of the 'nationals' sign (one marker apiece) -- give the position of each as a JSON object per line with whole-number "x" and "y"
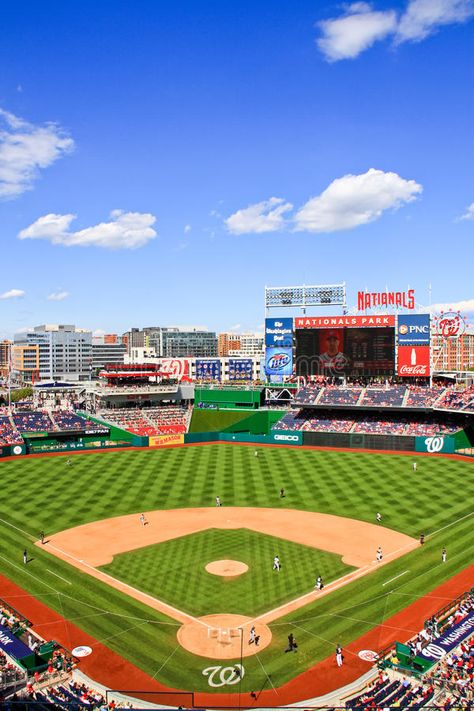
{"x": 450, "y": 639}
{"x": 344, "y": 321}
{"x": 376, "y": 299}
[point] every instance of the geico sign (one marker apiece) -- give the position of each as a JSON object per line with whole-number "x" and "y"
{"x": 434, "y": 444}
{"x": 286, "y": 438}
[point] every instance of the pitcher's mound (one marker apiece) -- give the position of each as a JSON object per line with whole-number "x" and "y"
{"x": 223, "y": 636}
{"x": 227, "y": 568}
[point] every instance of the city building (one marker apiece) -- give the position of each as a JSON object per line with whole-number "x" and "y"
{"x": 55, "y": 352}
{"x": 172, "y": 342}
{"x": 5, "y": 357}
{"x": 453, "y": 354}
{"x": 108, "y": 348}
{"x": 251, "y": 346}
{"x": 227, "y": 342}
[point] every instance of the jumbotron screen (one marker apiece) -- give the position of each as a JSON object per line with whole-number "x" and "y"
{"x": 345, "y": 351}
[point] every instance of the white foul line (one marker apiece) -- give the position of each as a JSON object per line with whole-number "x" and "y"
{"x": 450, "y": 524}
{"x": 58, "y": 576}
{"x": 397, "y": 576}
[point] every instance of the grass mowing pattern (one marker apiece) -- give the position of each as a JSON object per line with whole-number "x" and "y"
{"x": 174, "y": 571}
{"x": 44, "y": 493}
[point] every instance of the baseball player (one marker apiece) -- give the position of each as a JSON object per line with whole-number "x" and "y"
{"x": 276, "y": 563}
{"x": 378, "y": 516}
{"x": 253, "y": 635}
{"x": 379, "y": 554}
{"x": 218, "y": 501}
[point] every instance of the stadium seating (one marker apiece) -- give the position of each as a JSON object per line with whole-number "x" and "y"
{"x": 333, "y": 395}
{"x": 8, "y": 432}
{"x": 384, "y": 397}
{"x": 458, "y": 400}
{"x": 66, "y": 420}
{"x": 27, "y": 421}
{"x": 168, "y": 419}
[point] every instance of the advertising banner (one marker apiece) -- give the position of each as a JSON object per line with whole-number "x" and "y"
{"x": 176, "y": 367}
{"x": 285, "y": 437}
{"x": 413, "y": 329}
{"x": 240, "y": 369}
{"x": 209, "y": 369}
{"x": 344, "y": 321}
{"x": 279, "y": 332}
{"x": 279, "y": 361}
{"x": 13, "y": 646}
{"x": 414, "y": 361}
{"x": 165, "y": 440}
{"x": 435, "y": 444}
{"x": 450, "y": 639}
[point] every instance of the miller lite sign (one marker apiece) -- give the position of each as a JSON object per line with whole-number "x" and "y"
{"x": 414, "y": 361}
{"x": 279, "y": 361}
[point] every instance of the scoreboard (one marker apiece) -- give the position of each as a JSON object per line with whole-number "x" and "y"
{"x": 345, "y": 351}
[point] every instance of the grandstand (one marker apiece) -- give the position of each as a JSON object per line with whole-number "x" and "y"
{"x": 168, "y": 419}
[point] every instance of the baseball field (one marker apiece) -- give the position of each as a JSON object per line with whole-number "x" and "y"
{"x": 134, "y": 587}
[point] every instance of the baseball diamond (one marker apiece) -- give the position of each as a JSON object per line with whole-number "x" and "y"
{"x": 91, "y": 513}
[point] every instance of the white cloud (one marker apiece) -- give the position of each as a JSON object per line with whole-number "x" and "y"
{"x": 58, "y": 296}
{"x": 12, "y": 294}
{"x": 355, "y": 200}
{"x": 265, "y": 216}
{"x": 187, "y": 228}
{"x": 466, "y": 306}
{"x": 25, "y": 149}
{"x": 469, "y": 214}
{"x": 358, "y": 29}
{"x": 98, "y": 332}
{"x": 125, "y": 230}
{"x": 235, "y": 327}
{"x": 423, "y": 17}
{"x": 347, "y": 36}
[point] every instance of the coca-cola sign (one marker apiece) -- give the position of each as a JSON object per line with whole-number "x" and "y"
{"x": 413, "y": 361}
{"x": 413, "y": 370}
{"x": 450, "y": 324}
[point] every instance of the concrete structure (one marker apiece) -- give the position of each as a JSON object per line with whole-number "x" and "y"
{"x": 172, "y": 342}
{"x": 453, "y": 354}
{"x": 251, "y": 346}
{"x": 5, "y": 357}
{"x": 57, "y": 352}
{"x": 108, "y": 348}
{"x": 227, "y": 342}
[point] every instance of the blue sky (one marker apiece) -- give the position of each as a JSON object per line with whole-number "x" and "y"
{"x": 160, "y": 163}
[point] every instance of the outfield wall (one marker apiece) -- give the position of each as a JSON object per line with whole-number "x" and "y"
{"x": 260, "y": 422}
{"x": 274, "y": 437}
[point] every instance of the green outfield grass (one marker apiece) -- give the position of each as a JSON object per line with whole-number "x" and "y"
{"x": 44, "y": 493}
{"x": 174, "y": 571}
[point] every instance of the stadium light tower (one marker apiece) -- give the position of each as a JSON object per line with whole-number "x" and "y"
{"x": 277, "y": 297}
